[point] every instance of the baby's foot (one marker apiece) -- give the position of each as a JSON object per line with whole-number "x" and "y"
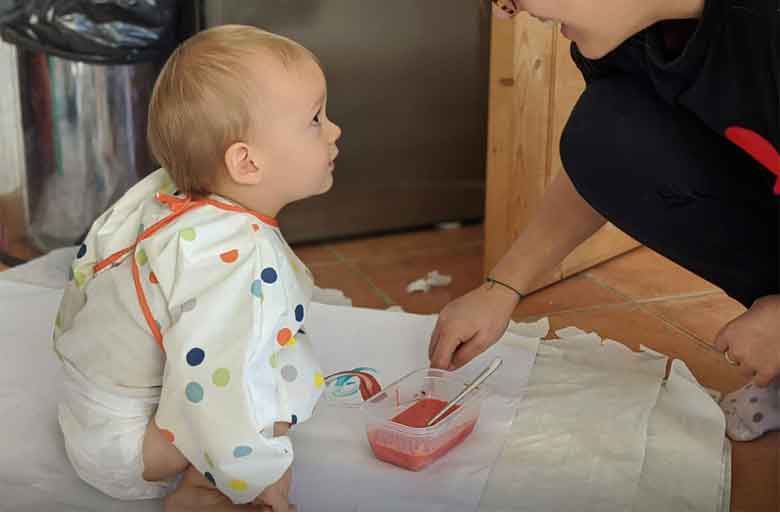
{"x": 752, "y": 411}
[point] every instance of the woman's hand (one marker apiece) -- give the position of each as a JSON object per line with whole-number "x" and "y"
{"x": 600, "y": 26}
{"x": 752, "y": 340}
{"x": 471, "y": 324}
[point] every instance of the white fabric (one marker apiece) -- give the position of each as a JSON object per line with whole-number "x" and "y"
{"x": 683, "y": 461}
{"x": 35, "y": 474}
{"x": 229, "y": 298}
{"x": 104, "y": 436}
{"x": 600, "y": 430}
{"x": 580, "y": 430}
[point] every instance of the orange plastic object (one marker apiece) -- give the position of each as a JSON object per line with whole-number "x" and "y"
{"x": 418, "y": 415}
{"x": 415, "y": 452}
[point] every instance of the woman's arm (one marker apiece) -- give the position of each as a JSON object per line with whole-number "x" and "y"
{"x": 471, "y": 324}
{"x": 562, "y": 223}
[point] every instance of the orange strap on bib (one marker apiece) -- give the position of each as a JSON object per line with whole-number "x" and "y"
{"x": 178, "y": 207}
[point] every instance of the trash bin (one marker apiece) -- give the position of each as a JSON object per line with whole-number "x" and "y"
{"x": 85, "y": 70}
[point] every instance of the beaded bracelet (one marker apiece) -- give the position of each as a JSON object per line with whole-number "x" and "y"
{"x": 494, "y": 281}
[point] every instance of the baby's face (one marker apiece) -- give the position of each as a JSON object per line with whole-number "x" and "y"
{"x": 295, "y": 136}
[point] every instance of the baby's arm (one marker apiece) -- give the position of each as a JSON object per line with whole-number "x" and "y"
{"x": 221, "y": 339}
{"x": 276, "y": 496}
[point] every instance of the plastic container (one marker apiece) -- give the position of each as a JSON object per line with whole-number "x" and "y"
{"x": 414, "y": 399}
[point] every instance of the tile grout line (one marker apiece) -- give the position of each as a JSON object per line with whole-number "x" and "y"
{"x": 626, "y": 304}
{"x": 672, "y": 297}
{"x": 678, "y": 297}
{"x": 605, "y": 286}
{"x": 706, "y": 346}
{"x": 583, "y": 309}
{"x": 631, "y": 304}
{"x": 352, "y": 266}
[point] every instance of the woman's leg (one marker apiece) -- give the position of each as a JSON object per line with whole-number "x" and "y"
{"x": 661, "y": 176}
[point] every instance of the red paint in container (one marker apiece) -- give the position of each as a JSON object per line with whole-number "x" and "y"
{"x": 402, "y": 438}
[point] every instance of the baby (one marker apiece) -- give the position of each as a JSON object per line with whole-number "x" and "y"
{"x": 181, "y": 332}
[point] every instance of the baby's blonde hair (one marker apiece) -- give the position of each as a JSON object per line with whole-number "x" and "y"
{"x": 203, "y": 100}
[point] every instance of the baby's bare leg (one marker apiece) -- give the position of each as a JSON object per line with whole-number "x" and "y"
{"x": 195, "y": 493}
{"x": 162, "y": 460}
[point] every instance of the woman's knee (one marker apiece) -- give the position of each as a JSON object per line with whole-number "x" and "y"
{"x": 612, "y": 144}
{"x": 584, "y": 152}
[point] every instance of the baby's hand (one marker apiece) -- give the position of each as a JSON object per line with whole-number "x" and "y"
{"x": 275, "y": 497}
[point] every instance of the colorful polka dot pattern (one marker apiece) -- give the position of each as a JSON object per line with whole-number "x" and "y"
{"x": 285, "y": 337}
{"x": 194, "y": 392}
{"x": 153, "y": 278}
{"x": 82, "y": 251}
{"x": 221, "y": 377}
{"x": 195, "y": 357}
{"x": 188, "y": 234}
{"x": 142, "y": 258}
{"x": 168, "y": 435}
{"x": 230, "y": 256}
{"x": 269, "y": 275}
{"x": 257, "y": 289}
{"x": 289, "y": 373}
{"x": 238, "y": 485}
{"x": 241, "y": 451}
{"x": 80, "y": 278}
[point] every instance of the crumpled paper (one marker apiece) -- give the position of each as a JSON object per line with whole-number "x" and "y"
{"x": 433, "y": 279}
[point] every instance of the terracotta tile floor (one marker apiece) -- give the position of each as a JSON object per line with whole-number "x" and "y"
{"x": 638, "y": 298}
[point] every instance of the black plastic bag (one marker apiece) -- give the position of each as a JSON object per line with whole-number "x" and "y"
{"x": 97, "y": 31}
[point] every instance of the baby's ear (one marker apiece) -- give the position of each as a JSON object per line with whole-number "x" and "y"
{"x": 242, "y": 165}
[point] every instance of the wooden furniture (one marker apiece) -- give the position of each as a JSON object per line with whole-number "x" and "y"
{"x": 533, "y": 87}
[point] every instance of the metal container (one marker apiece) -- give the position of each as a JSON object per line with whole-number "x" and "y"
{"x": 83, "y": 146}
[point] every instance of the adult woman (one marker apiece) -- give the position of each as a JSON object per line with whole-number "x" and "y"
{"x": 671, "y": 142}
